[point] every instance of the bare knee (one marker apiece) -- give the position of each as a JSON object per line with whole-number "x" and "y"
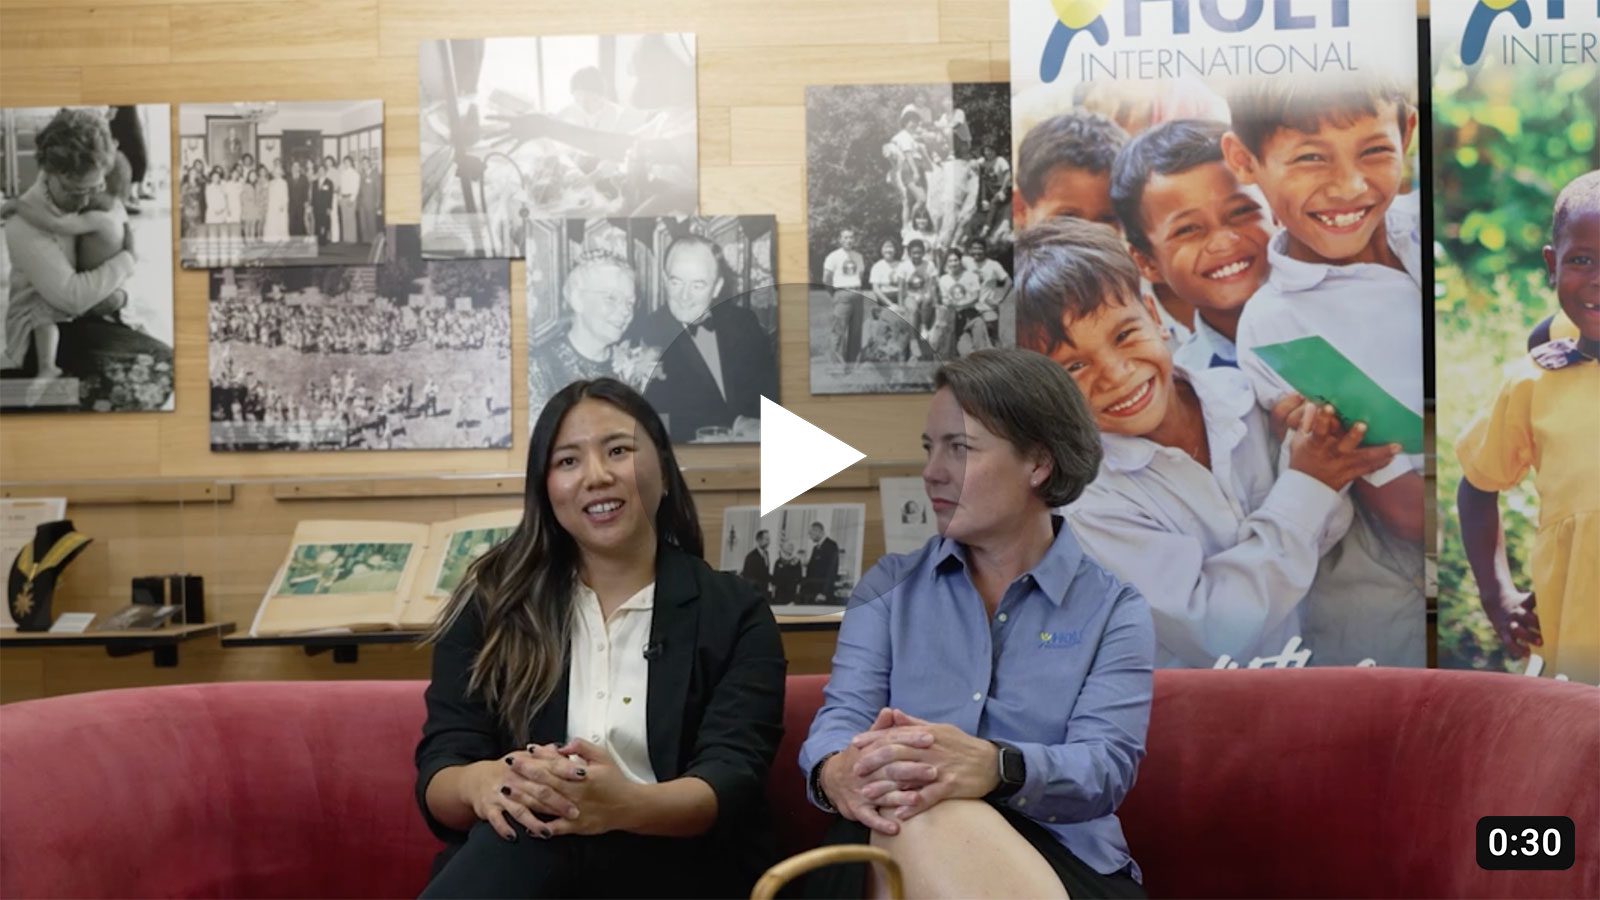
{"x": 938, "y": 824}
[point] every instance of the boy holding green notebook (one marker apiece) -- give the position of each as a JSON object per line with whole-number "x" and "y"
{"x": 1218, "y": 522}
{"x": 1346, "y": 270}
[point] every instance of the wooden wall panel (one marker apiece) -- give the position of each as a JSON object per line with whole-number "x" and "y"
{"x": 756, "y": 58}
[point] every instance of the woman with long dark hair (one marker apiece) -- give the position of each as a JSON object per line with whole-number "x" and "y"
{"x": 604, "y": 705}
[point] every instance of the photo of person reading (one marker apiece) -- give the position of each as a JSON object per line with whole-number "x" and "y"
{"x": 1191, "y": 472}
{"x": 1546, "y": 419}
{"x": 1347, "y": 268}
{"x": 1198, "y": 236}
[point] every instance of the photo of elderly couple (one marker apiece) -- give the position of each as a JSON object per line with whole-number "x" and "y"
{"x": 683, "y": 309}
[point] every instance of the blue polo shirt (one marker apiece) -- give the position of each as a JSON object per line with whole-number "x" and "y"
{"x": 1062, "y": 671}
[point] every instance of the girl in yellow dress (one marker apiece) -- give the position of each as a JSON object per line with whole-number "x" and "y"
{"x": 1547, "y": 418}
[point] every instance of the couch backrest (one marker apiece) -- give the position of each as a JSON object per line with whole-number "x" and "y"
{"x": 1270, "y": 783}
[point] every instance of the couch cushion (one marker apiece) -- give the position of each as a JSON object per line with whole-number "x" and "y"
{"x": 1317, "y": 782}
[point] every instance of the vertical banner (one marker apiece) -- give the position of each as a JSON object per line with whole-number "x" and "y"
{"x": 1219, "y": 238}
{"x": 1516, "y": 90}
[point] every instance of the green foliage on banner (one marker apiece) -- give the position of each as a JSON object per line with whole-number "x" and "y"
{"x": 1504, "y": 146}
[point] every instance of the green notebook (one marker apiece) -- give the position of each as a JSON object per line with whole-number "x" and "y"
{"x": 1321, "y": 373}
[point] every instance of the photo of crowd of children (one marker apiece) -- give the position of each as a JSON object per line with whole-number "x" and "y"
{"x": 909, "y": 200}
{"x": 1517, "y": 331}
{"x": 684, "y": 309}
{"x": 1213, "y": 262}
{"x": 574, "y": 126}
{"x": 409, "y": 354}
{"x": 85, "y": 267}
{"x": 280, "y": 184}
{"x": 804, "y": 558}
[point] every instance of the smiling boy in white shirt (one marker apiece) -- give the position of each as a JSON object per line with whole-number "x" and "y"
{"x": 1189, "y": 505}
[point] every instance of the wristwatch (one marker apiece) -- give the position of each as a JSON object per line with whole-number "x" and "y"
{"x": 1013, "y": 771}
{"x": 814, "y": 781}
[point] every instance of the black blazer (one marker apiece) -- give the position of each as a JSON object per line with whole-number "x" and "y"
{"x": 687, "y": 393}
{"x": 713, "y": 710}
{"x": 756, "y": 572}
{"x": 822, "y": 570}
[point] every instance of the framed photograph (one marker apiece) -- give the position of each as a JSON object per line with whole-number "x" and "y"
{"x": 410, "y": 354}
{"x": 114, "y": 353}
{"x": 908, "y": 519}
{"x": 909, "y": 229}
{"x": 229, "y": 139}
{"x": 804, "y": 558}
{"x": 517, "y": 129}
{"x": 682, "y": 308}
{"x": 278, "y": 184}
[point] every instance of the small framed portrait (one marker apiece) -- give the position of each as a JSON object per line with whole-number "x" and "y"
{"x": 229, "y": 139}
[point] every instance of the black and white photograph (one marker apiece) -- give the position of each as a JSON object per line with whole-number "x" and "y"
{"x": 909, "y": 224}
{"x": 410, "y": 354}
{"x": 908, "y": 519}
{"x": 265, "y": 183}
{"x": 86, "y": 264}
{"x": 683, "y": 309}
{"x": 576, "y": 126}
{"x": 804, "y": 558}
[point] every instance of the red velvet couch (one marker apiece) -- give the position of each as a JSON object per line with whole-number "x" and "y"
{"x": 1298, "y": 783}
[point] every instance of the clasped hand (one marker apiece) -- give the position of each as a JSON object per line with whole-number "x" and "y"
{"x": 902, "y": 765}
{"x": 551, "y": 790}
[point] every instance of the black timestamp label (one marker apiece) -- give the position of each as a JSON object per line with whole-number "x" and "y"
{"x": 1526, "y": 842}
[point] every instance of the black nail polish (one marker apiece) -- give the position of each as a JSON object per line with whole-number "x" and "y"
{"x": 510, "y": 761}
{"x": 505, "y": 790}
{"x": 582, "y": 772}
{"x": 511, "y": 838}
{"x": 547, "y": 833}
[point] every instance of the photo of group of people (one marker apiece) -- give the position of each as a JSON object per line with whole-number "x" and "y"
{"x": 408, "y": 354}
{"x": 577, "y": 126}
{"x": 1230, "y": 269}
{"x": 85, "y": 267}
{"x": 1517, "y": 332}
{"x": 909, "y": 210}
{"x": 805, "y": 559}
{"x": 280, "y": 184}
{"x": 684, "y": 309}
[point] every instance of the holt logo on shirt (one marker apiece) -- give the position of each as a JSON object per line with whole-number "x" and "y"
{"x": 1060, "y": 640}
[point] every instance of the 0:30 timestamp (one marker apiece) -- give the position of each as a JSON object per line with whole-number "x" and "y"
{"x": 1526, "y": 842}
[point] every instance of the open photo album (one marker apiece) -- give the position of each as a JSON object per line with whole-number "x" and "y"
{"x": 349, "y": 576}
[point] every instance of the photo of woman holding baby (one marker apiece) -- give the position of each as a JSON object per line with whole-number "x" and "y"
{"x": 85, "y": 288}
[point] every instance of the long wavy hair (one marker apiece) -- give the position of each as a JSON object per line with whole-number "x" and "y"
{"x": 523, "y": 586}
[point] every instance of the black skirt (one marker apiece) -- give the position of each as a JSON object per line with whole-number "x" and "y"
{"x": 1080, "y": 881}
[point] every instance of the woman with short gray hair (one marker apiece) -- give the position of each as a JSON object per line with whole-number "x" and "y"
{"x": 990, "y": 692}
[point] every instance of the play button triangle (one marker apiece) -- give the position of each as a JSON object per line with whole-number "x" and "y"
{"x": 796, "y": 456}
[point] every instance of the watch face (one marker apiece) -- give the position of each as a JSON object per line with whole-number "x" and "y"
{"x": 1011, "y": 766}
